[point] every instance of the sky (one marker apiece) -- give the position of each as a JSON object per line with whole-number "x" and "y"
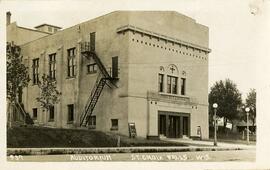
{"x": 236, "y": 28}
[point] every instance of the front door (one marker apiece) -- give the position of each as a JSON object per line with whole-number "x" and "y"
{"x": 186, "y": 126}
{"x": 162, "y": 125}
{"x": 174, "y": 126}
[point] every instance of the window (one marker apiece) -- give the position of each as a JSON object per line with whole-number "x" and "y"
{"x": 70, "y": 113}
{"x": 55, "y": 30}
{"x": 51, "y": 112}
{"x": 50, "y": 29}
{"x": 92, "y": 122}
{"x": 172, "y": 84}
{"x": 71, "y": 62}
{"x": 52, "y": 65}
{"x": 92, "y": 68}
{"x": 114, "y": 124}
{"x": 160, "y": 82}
{"x": 183, "y": 86}
{"x": 35, "y": 70}
{"x": 35, "y": 113}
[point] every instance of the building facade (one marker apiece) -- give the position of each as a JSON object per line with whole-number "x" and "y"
{"x": 160, "y": 62}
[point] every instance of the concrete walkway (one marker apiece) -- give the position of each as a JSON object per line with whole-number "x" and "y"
{"x": 196, "y": 143}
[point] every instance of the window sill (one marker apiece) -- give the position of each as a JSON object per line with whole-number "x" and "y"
{"x": 71, "y": 77}
{"x": 91, "y": 72}
{"x": 170, "y": 94}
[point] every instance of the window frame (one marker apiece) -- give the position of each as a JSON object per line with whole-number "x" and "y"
{"x": 113, "y": 125}
{"x": 172, "y": 84}
{"x": 92, "y": 122}
{"x": 70, "y": 117}
{"x": 161, "y": 82}
{"x": 35, "y": 71}
{"x": 51, "y": 114}
{"x": 71, "y": 62}
{"x": 35, "y": 113}
{"x": 183, "y": 86}
{"x": 93, "y": 70}
{"x": 52, "y": 66}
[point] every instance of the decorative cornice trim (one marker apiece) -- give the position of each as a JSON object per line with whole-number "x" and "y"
{"x": 161, "y": 37}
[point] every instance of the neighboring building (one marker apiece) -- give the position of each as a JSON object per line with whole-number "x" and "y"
{"x": 157, "y": 74}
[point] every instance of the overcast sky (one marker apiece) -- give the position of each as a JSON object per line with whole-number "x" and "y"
{"x": 237, "y": 28}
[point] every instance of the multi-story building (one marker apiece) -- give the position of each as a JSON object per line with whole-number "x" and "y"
{"x": 147, "y": 68}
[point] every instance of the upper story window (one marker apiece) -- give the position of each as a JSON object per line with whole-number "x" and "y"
{"x": 172, "y": 84}
{"x": 183, "y": 86}
{"x": 171, "y": 81}
{"x": 71, "y": 62}
{"x": 50, "y": 29}
{"x": 160, "y": 82}
{"x": 52, "y": 66}
{"x": 35, "y": 67}
{"x": 92, "y": 68}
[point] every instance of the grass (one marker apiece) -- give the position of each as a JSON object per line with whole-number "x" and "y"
{"x": 41, "y": 137}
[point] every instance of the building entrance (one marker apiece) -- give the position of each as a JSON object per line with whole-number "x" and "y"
{"x": 173, "y": 125}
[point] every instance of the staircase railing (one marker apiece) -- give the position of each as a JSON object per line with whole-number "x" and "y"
{"x": 87, "y": 105}
{"x": 26, "y": 117}
{"x": 89, "y": 51}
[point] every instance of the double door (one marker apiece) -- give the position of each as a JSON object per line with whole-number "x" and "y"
{"x": 173, "y": 126}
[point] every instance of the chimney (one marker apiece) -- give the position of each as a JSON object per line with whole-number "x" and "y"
{"x": 8, "y": 17}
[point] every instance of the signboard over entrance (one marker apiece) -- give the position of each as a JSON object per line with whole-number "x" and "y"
{"x": 132, "y": 130}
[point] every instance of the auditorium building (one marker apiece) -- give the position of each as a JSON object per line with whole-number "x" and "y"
{"x": 148, "y": 69}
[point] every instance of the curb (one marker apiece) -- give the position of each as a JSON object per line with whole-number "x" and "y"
{"x": 58, "y": 151}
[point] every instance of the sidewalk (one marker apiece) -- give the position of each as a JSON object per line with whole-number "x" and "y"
{"x": 196, "y": 143}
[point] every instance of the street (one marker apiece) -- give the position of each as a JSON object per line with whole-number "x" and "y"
{"x": 201, "y": 156}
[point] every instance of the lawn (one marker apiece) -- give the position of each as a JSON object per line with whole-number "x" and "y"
{"x": 40, "y": 137}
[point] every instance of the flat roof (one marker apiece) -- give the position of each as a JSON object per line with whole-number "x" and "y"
{"x": 47, "y": 25}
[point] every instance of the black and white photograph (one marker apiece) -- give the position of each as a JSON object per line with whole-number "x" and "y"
{"x": 105, "y": 84}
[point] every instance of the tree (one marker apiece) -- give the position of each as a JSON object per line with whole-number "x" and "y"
{"x": 251, "y": 103}
{"x": 49, "y": 94}
{"x": 17, "y": 75}
{"x": 228, "y": 98}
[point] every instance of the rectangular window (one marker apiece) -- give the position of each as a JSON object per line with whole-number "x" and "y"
{"x": 52, "y": 66}
{"x": 35, "y": 70}
{"x": 51, "y": 112}
{"x": 172, "y": 84}
{"x": 92, "y": 122}
{"x": 34, "y": 113}
{"x": 71, "y": 62}
{"x": 183, "y": 86}
{"x": 160, "y": 82}
{"x": 92, "y": 68}
{"x": 50, "y": 29}
{"x": 70, "y": 113}
{"x": 114, "y": 124}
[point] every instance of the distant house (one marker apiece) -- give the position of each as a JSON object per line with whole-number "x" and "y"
{"x": 242, "y": 125}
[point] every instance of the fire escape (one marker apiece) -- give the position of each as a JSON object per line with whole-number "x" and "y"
{"x": 88, "y": 50}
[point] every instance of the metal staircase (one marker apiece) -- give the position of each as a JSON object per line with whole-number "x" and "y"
{"x": 88, "y": 50}
{"x": 26, "y": 117}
